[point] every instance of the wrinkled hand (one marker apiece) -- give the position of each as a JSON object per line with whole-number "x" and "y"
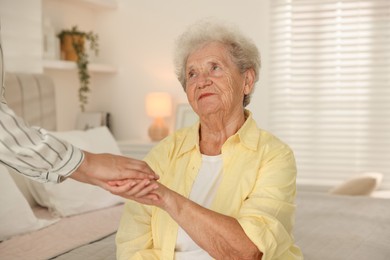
{"x": 135, "y": 189}
{"x": 117, "y": 174}
{"x": 159, "y": 196}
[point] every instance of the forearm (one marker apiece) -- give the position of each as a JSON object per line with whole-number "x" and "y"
{"x": 36, "y": 154}
{"x": 220, "y": 235}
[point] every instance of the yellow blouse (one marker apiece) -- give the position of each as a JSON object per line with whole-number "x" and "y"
{"x": 257, "y": 188}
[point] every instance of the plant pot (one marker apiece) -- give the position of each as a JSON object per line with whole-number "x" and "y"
{"x": 67, "y": 49}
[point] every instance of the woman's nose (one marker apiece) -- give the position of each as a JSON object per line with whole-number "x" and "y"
{"x": 204, "y": 80}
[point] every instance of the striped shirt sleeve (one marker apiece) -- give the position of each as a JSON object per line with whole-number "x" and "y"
{"x": 33, "y": 152}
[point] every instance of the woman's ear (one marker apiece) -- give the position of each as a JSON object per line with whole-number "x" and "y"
{"x": 249, "y": 81}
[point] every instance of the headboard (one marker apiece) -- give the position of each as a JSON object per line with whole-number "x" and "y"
{"x": 32, "y": 97}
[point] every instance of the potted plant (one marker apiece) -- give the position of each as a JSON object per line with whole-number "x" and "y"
{"x": 73, "y": 49}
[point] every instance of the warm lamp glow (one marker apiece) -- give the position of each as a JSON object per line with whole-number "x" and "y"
{"x": 158, "y": 106}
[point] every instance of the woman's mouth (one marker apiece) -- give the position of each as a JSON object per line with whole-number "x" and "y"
{"x": 204, "y": 95}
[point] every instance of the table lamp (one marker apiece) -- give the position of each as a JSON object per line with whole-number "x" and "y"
{"x": 158, "y": 106}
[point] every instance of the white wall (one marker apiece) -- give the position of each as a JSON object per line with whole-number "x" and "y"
{"x": 64, "y": 15}
{"x": 21, "y": 35}
{"x": 141, "y": 36}
{"x": 138, "y": 37}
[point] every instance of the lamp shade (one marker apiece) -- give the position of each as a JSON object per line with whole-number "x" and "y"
{"x": 158, "y": 104}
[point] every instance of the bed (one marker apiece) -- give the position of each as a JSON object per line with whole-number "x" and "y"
{"x": 327, "y": 226}
{"x": 42, "y": 221}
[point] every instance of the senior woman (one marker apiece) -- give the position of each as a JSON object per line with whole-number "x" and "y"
{"x": 226, "y": 188}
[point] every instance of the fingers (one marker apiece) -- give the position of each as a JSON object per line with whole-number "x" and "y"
{"x": 134, "y": 189}
{"x": 138, "y": 169}
{"x": 118, "y": 183}
{"x": 148, "y": 187}
{"x": 140, "y": 175}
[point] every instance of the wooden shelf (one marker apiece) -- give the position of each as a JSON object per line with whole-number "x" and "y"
{"x": 70, "y": 65}
{"x": 106, "y": 4}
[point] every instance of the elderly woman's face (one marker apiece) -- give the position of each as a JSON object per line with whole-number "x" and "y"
{"x": 214, "y": 82}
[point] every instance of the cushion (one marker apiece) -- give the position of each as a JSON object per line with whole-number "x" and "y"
{"x": 71, "y": 197}
{"x": 363, "y": 184}
{"x": 16, "y": 215}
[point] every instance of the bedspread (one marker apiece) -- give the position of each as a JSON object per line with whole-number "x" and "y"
{"x": 342, "y": 227}
{"x": 65, "y": 235}
{"x": 328, "y": 227}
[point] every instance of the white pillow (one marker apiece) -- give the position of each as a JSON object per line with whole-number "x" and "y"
{"x": 71, "y": 197}
{"x": 360, "y": 185}
{"x": 16, "y": 216}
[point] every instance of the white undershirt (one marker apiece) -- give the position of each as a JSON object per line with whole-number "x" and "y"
{"x": 203, "y": 192}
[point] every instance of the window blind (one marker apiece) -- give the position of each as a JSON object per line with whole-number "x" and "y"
{"x": 330, "y": 86}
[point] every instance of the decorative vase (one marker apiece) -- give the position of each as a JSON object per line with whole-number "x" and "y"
{"x": 67, "y": 46}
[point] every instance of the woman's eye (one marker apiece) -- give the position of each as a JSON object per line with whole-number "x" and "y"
{"x": 191, "y": 74}
{"x": 215, "y": 67}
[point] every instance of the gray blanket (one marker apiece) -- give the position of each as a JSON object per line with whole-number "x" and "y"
{"x": 330, "y": 227}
